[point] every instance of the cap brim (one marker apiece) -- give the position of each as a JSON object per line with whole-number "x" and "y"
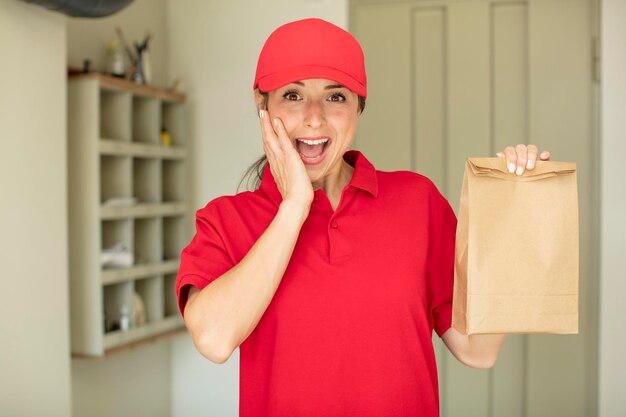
{"x": 289, "y": 75}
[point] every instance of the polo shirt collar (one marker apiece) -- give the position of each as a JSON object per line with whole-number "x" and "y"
{"x": 364, "y": 176}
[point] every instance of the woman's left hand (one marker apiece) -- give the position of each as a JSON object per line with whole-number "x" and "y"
{"x": 522, "y": 157}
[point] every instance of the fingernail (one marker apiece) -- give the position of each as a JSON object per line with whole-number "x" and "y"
{"x": 519, "y": 170}
{"x": 275, "y": 122}
{"x": 529, "y": 164}
{"x": 261, "y": 112}
{"x": 511, "y": 167}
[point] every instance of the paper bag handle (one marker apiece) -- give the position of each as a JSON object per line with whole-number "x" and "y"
{"x": 496, "y": 168}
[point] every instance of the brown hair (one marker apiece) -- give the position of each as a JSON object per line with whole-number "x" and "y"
{"x": 254, "y": 173}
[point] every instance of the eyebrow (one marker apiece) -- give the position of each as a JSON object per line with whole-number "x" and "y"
{"x": 328, "y": 87}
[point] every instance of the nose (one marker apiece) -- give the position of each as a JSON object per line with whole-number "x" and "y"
{"x": 314, "y": 117}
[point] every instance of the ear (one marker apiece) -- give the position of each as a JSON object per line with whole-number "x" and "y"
{"x": 259, "y": 100}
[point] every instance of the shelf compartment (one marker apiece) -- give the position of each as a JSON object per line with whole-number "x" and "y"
{"x": 115, "y": 115}
{"x": 169, "y": 295}
{"x": 112, "y": 276}
{"x": 142, "y": 211}
{"x": 146, "y": 120}
{"x": 118, "y": 338}
{"x": 115, "y": 177}
{"x": 172, "y": 115}
{"x": 142, "y": 150}
{"x": 117, "y": 297}
{"x": 151, "y": 292}
{"x": 147, "y": 180}
{"x": 174, "y": 181}
{"x": 148, "y": 241}
{"x": 174, "y": 236}
{"x": 117, "y": 231}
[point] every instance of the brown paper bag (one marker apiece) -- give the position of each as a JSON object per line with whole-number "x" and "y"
{"x": 516, "y": 266}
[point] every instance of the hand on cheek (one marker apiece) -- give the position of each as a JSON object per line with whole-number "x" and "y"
{"x": 286, "y": 166}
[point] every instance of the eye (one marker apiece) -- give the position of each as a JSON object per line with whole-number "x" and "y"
{"x": 291, "y": 95}
{"x": 337, "y": 97}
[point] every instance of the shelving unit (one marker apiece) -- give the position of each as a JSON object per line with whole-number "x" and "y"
{"x": 115, "y": 152}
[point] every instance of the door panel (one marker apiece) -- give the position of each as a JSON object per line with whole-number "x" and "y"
{"x": 450, "y": 79}
{"x": 389, "y": 132}
{"x": 560, "y": 368}
{"x": 509, "y": 123}
{"x": 429, "y": 123}
{"x": 468, "y": 135}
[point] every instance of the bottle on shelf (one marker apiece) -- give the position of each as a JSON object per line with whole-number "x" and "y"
{"x": 166, "y": 138}
{"x": 124, "y": 318}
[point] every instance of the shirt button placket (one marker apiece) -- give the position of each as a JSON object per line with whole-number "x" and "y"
{"x": 331, "y": 240}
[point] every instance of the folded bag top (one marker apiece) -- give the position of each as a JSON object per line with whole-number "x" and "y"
{"x": 496, "y": 167}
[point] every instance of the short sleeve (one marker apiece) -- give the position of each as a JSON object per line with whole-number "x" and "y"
{"x": 441, "y": 268}
{"x": 203, "y": 260}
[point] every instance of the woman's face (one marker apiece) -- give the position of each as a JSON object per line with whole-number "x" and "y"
{"x": 313, "y": 111}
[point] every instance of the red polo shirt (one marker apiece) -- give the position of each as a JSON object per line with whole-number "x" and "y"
{"x": 349, "y": 330}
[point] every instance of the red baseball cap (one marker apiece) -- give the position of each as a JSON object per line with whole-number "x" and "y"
{"x": 311, "y": 48}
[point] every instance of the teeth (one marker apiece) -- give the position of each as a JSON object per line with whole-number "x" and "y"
{"x": 314, "y": 142}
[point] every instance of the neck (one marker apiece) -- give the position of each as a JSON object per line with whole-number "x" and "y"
{"x": 334, "y": 182}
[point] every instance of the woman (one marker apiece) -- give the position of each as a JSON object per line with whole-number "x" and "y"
{"x": 331, "y": 276}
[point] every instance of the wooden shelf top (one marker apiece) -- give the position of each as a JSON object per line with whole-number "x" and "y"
{"x": 121, "y": 84}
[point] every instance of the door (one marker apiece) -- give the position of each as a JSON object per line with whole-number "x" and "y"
{"x": 450, "y": 79}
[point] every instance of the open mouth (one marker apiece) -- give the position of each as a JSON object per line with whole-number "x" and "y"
{"x": 312, "y": 149}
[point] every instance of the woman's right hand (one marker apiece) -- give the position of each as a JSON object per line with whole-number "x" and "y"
{"x": 251, "y": 284}
{"x": 286, "y": 166}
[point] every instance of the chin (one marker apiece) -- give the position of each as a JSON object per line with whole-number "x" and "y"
{"x": 315, "y": 174}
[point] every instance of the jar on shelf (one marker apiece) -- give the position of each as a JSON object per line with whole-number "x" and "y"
{"x": 115, "y": 60}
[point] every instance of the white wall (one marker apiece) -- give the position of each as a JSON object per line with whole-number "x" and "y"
{"x": 214, "y": 46}
{"x": 612, "y": 381}
{"x": 34, "y": 359}
{"x": 135, "y": 383}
